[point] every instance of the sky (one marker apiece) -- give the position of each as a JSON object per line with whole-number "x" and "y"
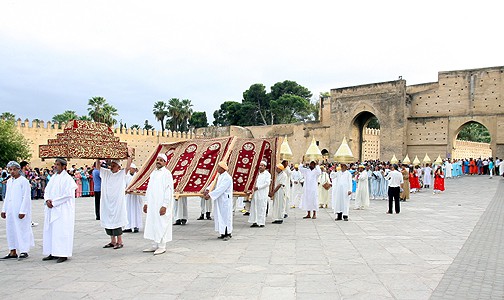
{"x": 55, "y": 55}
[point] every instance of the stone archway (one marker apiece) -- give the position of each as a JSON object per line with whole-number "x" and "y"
{"x": 365, "y": 141}
{"x": 472, "y": 139}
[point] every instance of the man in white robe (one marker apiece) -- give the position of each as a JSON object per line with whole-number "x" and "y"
{"x": 309, "y": 200}
{"x": 448, "y": 169}
{"x": 133, "y": 205}
{"x": 59, "y": 219}
{"x": 180, "y": 211}
{"x": 158, "y": 207}
{"x": 342, "y": 192}
{"x": 17, "y": 212}
{"x": 288, "y": 172}
{"x": 278, "y": 195}
{"x": 362, "y": 193}
{"x": 222, "y": 196}
{"x": 260, "y": 197}
{"x": 113, "y": 215}
{"x": 323, "y": 193}
{"x": 297, "y": 187}
{"x": 427, "y": 176}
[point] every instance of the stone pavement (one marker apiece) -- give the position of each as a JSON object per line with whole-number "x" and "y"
{"x": 373, "y": 256}
{"x": 478, "y": 270}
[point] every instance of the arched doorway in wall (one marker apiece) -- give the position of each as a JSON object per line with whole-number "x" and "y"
{"x": 472, "y": 141}
{"x": 365, "y": 139}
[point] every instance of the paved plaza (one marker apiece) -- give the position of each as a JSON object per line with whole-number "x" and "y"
{"x": 429, "y": 249}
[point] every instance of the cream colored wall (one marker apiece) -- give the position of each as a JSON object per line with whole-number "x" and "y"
{"x": 466, "y": 149}
{"x": 144, "y": 141}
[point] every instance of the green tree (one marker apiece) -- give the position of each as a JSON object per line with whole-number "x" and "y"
{"x": 234, "y": 113}
{"x": 160, "y": 111}
{"x": 101, "y": 111}
{"x": 474, "y": 132}
{"x": 256, "y": 96}
{"x": 198, "y": 119}
{"x": 65, "y": 117}
{"x": 175, "y": 114}
{"x": 291, "y": 88}
{"x": 373, "y": 123}
{"x": 13, "y": 146}
{"x": 8, "y": 116}
{"x": 135, "y": 126}
{"x": 185, "y": 114}
{"x": 290, "y": 108}
{"x": 85, "y": 118}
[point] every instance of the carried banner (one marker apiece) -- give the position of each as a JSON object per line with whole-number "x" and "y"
{"x": 193, "y": 164}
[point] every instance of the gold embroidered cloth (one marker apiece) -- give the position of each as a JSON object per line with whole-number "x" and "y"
{"x": 85, "y": 139}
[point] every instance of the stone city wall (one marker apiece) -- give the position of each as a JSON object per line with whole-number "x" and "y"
{"x": 467, "y": 149}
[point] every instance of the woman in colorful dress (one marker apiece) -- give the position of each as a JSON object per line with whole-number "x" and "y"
{"x": 414, "y": 181}
{"x": 85, "y": 183}
{"x": 78, "y": 181}
{"x": 438, "y": 181}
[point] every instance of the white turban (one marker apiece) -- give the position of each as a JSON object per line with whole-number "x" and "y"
{"x": 263, "y": 163}
{"x": 118, "y": 162}
{"x": 133, "y": 166}
{"x": 14, "y": 164}
{"x": 163, "y": 156}
{"x": 62, "y": 161}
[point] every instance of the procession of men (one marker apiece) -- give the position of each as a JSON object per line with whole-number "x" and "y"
{"x": 309, "y": 186}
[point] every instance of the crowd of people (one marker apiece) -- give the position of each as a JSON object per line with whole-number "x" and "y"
{"x": 308, "y": 186}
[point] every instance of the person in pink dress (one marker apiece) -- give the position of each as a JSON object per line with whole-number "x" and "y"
{"x": 78, "y": 181}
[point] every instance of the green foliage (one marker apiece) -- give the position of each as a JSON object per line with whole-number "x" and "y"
{"x": 474, "y": 132}
{"x": 198, "y": 119}
{"x": 373, "y": 123}
{"x": 85, "y": 118}
{"x": 13, "y": 146}
{"x": 290, "y": 108}
{"x": 135, "y": 126}
{"x": 160, "y": 111}
{"x": 179, "y": 113}
{"x": 65, "y": 117}
{"x": 287, "y": 102}
{"x": 8, "y": 116}
{"x": 101, "y": 111}
{"x": 147, "y": 126}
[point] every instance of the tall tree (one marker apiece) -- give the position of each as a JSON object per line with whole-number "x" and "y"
{"x": 257, "y": 96}
{"x": 198, "y": 119}
{"x": 175, "y": 114}
{"x": 160, "y": 112}
{"x": 135, "y": 126}
{"x": 101, "y": 111}
{"x": 185, "y": 114}
{"x": 13, "y": 145}
{"x": 8, "y": 116}
{"x": 85, "y": 118}
{"x": 65, "y": 117}
{"x": 234, "y": 113}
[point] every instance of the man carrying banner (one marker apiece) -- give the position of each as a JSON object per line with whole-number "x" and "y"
{"x": 222, "y": 196}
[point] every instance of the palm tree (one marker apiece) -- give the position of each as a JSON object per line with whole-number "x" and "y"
{"x": 147, "y": 126}
{"x": 101, "y": 111}
{"x": 160, "y": 113}
{"x": 8, "y": 116}
{"x": 185, "y": 114}
{"x": 135, "y": 126}
{"x": 174, "y": 111}
{"x": 96, "y": 109}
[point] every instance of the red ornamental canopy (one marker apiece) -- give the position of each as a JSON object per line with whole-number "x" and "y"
{"x": 193, "y": 163}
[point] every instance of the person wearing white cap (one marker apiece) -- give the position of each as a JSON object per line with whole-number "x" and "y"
{"x": 324, "y": 186}
{"x": 260, "y": 197}
{"x": 297, "y": 187}
{"x": 362, "y": 193}
{"x": 278, "y": 195}
{"x": 59, "y": 213}
{"x": 287, "y": 170}
{"x": 158, "y": 205}
{"x": 309, "y": 200}
{"x": 342, "y": 190}
{"x": 17, "y": 212}
{"x": 113, "y": 215}
{"x": 222, "y": 196}
{"x": 133, "y": 205}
